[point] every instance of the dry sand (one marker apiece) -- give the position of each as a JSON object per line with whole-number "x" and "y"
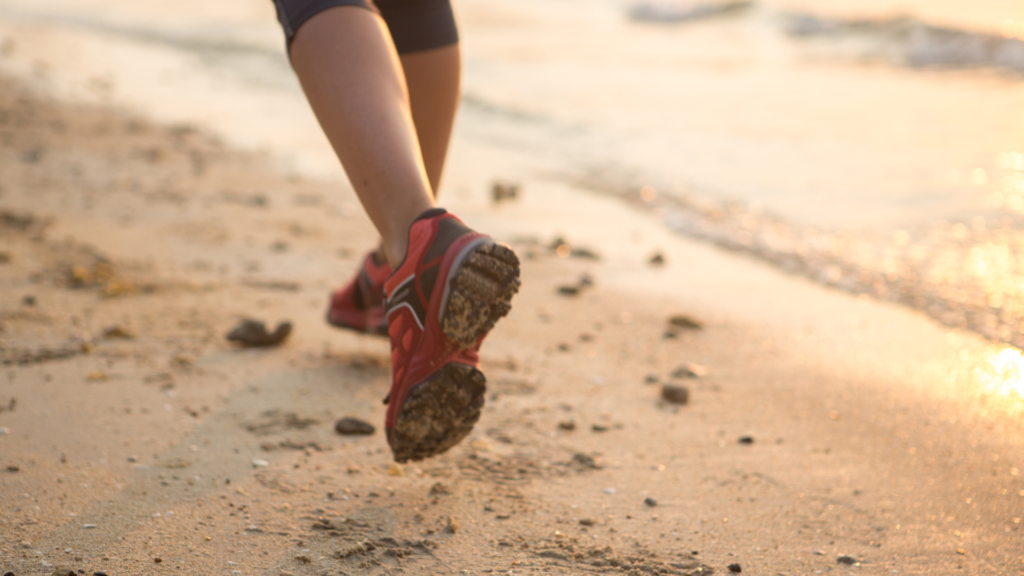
{"x": 138, "y": 441}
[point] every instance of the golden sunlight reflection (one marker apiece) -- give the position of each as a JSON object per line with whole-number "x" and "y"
{"x": 1003, "y": 373}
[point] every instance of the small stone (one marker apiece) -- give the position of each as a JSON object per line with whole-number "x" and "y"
{"x": 99, "y": 574}
{"x": 133, "y": 459}
{"x": 735, "y": 568}
{"x": 690, "y": 371}
{"x": 585, "y": 460}
{"x": 587, "y": 521}
{"x": 304, "y": 559}
{"x": 353, "y": 426}
{"x": 685, "y": 322}
{"x": 63, "y": 572}
{"x": 819, "y": 553}
{"x": 4, "y": 431}
{"x": 567, "y": 425}
{"x": 259, "y": 463}
{"x": 504, "y": 191}
{"x": 658, "y": 259}
{"x": 746, "y": 440}
{"x": 157, "y": 560}
{"x": 609, "y": 491}
{"x": 439, "y": 489}
{"x": 395, "y": 469}
{"x": 599, "y": 428}
{"x": 569, "y": 290}
{"x": 117, "y": 333}
{"x": 13, "y": 468}
{"x": 253, "y": 333}
{"x": 88, "y": 526}
{"x": 453, "y": 524}
{"x": 28, "y": 300}
{"x": 675, "y": 394}
{"x": 650, "y": 502}
{"x": 651, "y": 379}
{"x": 848, "y": 560}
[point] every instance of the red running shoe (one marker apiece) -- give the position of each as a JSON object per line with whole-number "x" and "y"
{"x": 360, "y": 305}
{"x": 441, "y": 302}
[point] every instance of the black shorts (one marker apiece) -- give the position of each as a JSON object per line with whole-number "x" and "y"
{"x": 414, "y": 24}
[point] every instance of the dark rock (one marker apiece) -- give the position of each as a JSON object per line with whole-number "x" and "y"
{"x": 690, "y": 371}
{"x": 650, "y": 502}
{"x": 658, "y": 259}
{"x": 586, "y": 281}
{"x": 439, "y": 489}
{"x": 569, "y": 290}
{"x": 254, "y": 333}
{"x": 584, "y": 253}
{"x": 99, "y": 574}
{"x": 848, "y": 560}
{"x": 651, "y": 379}
{"x": 13, "y": 468}
{"x": 353, "y": 426}
{"x": 735, "y": 568}
{"x": 746, "y": 440}
{"x": 29, "y": 300}
{"x": 117, "y": 333}
{"x": 157, "y": 560}
{"x": 675, "y": 394}
{"x": 585, "y": 460}
{"x": 567, "y": 425}
{"x": 685, "y": 322}
{"x": 587, "y": 521}
{"x": 504, "y": 191}
{"x": 599, "y": 428}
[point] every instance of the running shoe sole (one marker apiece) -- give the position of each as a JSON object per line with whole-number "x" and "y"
{"x": 440, "y": 411}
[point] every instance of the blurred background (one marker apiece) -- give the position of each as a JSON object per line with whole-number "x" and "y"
{"x": 872, "y": 145}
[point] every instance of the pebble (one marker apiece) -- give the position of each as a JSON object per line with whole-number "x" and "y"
{"x": 254, "y": 333}
{"x": 259, "y": 463}
{"x": 651, "y": 379}
{"x": 609, "y": 491}
{"x": 99, "y": 574}
{"x": 587, "y": 521}
{"x": 13, "y": 468}
{"x": 585, "y": 460}
{"x": 353, "y": 426}
{"x": 657, "y": 259}
{"x": 29, "y": 300}
{"x": 690, "y": 371}
{"x": 746, "y": 440}
{"x": 680, "y": 321}
{"x": 650, "y": 502}
{"x": 88, "y": 526}
{"x": 439, "y": 489}
{"x": 133, "y": 459}
{"x": 117, "y": 333}
{"x": 735, "y": 568}
{"x": 157, "y": 560}
{"x": 848, "y": 560}
{"x": 504, "y": 191}
{"x": 599, "y": 428}
{"x": 4, "y": 431}
{"x": 453, "y": 524}
{"x": 567, "y": 425}
{"x": 675, "y": 394}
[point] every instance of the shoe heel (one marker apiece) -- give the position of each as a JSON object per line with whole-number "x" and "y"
{"x": 438, "y": 413}
{"x": 480, "y": 293}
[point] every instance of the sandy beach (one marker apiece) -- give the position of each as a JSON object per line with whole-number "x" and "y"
{"x": 824, "y": 432}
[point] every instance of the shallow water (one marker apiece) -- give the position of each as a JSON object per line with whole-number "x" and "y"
{"x": 872, "y": 145}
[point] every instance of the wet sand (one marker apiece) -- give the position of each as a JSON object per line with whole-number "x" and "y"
{"x": 874, "y": 433}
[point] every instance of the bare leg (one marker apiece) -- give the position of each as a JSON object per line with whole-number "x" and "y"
{"x": 352, "y": 76}
{"x": 433, "y": 77}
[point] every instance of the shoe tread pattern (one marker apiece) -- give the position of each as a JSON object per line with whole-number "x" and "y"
{"x": 438, "y": 413}
{"x": 480, "y": 293}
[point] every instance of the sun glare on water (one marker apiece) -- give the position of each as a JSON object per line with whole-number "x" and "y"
{"x": 1004, "y": 373}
